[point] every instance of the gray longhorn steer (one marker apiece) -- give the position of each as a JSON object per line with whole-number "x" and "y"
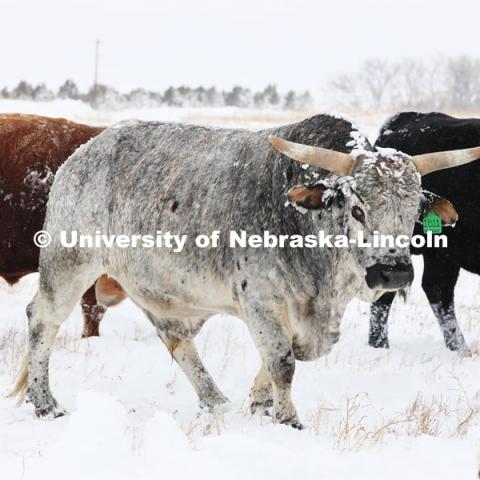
{"x": 142, "y": 177}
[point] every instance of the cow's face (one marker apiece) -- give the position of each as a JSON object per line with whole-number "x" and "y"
{"x": 388, "y": 187}
{"x": 377, "y": 193}
{"x": 382, "y": 197}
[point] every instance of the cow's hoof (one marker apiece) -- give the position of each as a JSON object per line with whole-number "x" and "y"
{"x": 263, "y": 407}
{"x": 49, "y": 413}
{"x": 91, "y": 330}
{"x": 45, "y": 405}
{"x": 458, "y": 345}
{"x": 379, "y": 343}
{"x": 218, "y": 404}
{"x": 291, "y": 421}
{"x": 464, "y": 351}
{"x": 296, "y": 425}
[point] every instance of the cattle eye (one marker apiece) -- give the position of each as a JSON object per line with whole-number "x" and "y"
{"x": 358, "y": 214}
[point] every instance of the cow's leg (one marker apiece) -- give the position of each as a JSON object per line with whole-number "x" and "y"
{"x": 92, "y": 313}
{"x": 277, "y": 355}
{"x": 52, "y": 304}
{"x": 185, "y": 354}
{"x": 438, "y": 282}
{"x": 379, "y": 311}
{"x": 261, "y": 394}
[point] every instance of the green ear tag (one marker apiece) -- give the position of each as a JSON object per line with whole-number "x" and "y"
{"x": 432, "y": 223}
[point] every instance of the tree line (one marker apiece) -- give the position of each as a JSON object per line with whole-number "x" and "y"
{"x": 103, "y": 96}
{"x": 437, "y": 84}
{"x": 442, "y": 83}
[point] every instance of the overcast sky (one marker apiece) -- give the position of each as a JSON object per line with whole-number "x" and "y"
{"x": 155, "y": 43}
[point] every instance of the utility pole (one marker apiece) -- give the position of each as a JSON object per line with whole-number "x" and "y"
{"x": 95, "y": 79}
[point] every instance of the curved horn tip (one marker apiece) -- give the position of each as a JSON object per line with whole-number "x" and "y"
{"x": 432, "y": 162}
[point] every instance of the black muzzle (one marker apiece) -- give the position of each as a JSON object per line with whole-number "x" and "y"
{"x": 389, "y": 277}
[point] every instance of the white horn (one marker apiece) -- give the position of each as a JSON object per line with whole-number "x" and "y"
{"x": 431, "y": 162}
{"x": 336, "y": 162}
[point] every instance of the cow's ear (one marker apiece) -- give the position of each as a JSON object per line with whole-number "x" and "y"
{"x": 446, "y": 211}
{"x": 441, "y": 206}
{"x": 308, "y": 198}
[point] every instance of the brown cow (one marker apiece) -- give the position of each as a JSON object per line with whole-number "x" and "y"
{"x": 32, "y": 148}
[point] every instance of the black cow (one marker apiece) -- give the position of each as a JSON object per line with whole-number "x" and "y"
{"x": 416, "y": 133}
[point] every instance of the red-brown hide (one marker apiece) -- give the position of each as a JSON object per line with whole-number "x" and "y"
{"x": 32, "y": 148}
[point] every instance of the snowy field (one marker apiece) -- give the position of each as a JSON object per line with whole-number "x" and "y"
{"x": 411, "y": 412}
{"x": 230, "y": 117}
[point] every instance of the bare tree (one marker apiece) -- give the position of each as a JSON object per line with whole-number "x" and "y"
{"x": 370, "y": 87}
{"x": 377, "y": 76}
{"x": 425, "y": 85}
{"x": 346, "y": 89}
{"x": 462, "y": 78}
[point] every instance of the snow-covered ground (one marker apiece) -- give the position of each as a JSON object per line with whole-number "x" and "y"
{"x": 412, "y": 412}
